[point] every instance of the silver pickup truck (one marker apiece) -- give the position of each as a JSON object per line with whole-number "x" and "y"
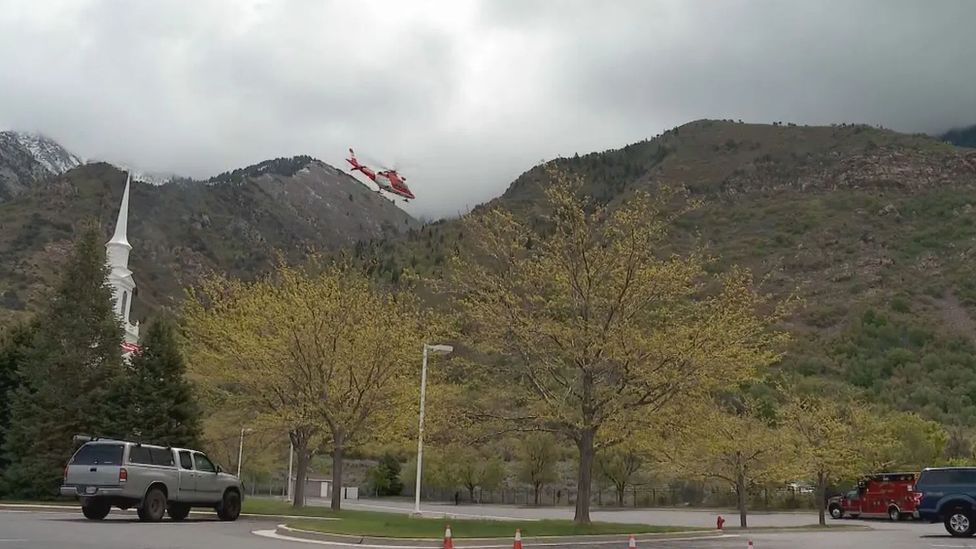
{"x": 153, "y": 479}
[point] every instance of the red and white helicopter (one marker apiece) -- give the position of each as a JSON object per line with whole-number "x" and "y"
{"x": 387, "y": 179}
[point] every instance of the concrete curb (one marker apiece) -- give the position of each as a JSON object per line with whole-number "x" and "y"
{"x": 488, "y": 543}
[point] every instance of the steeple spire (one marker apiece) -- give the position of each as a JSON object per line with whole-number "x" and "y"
{"x": 123, "y": 221}
{"x": 119, "y": 276}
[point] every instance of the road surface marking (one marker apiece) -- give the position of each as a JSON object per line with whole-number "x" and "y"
{"x": 275, "y": 535}
{"x": 403, "y": 510}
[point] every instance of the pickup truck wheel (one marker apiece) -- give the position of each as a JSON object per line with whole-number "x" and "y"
{"x": 960, "y": 523}
{"x": 836, "y": 512}
{"x": 230, "y": 506}
{"x": 153, "y": 507}
{"x": 178, "y": 511}
{"x": 894, "y": 514}
{"x": 96, "y": 510}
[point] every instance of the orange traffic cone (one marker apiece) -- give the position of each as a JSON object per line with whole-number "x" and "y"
{"x": 448, "y": 542}
{"x": 632, "y": 544}
{"x": 750, "y": 544}
{"x": 518, "y": 539}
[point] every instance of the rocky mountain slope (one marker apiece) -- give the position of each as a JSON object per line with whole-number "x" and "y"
{"x": 233, "y": 223}
{"x": 874, "y": 230}
{"x": 26, "y": 158}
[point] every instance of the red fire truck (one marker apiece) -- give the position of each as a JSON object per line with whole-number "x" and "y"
{"x": 877, "y": 496}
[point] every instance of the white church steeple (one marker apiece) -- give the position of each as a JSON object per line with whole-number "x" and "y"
{"x": 119, "y": 276}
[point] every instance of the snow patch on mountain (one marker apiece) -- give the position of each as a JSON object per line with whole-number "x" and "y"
{"x": 47, "y": 152}
{"x": 153, "y": 178}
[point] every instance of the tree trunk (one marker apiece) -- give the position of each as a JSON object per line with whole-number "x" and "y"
{"x": 821, "y": 497}
{"x": 740, "y": 494}
{"x": 300, "y": 443}
{"x": 585, "y": 479}
{"x": 337, "y": 452}
{"x": 621, "y": 490}
{"x": 470, "y": 493}
{"x": 538, "y": 488}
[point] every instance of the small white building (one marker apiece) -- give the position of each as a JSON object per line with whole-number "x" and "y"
{"x": 322, "y": 488}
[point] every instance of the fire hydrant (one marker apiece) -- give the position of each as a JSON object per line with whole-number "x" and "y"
{"x": 720, "y": 522}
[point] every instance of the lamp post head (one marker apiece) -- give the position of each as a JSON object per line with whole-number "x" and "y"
{"x": 441, "y": 349}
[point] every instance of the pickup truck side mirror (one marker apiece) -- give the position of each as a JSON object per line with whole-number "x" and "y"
{"x": 219, "y": 470}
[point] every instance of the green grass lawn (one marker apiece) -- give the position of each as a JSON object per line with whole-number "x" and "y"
{"x": 393, "y": 525}
{"x": 265, "y": 506}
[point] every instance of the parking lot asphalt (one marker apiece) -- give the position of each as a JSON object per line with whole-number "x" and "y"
{"x": 49, "y": 530}
{"x": 699, "y": 518}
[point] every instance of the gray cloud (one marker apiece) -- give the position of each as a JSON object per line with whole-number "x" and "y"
{"x": 464, "y": 94}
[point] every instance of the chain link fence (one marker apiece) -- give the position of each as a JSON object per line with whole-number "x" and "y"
{"x": 639, "y": 496}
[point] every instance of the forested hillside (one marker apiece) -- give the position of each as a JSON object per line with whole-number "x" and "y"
{"x": 235, "y": 223}
{"x": 873, "y": 230}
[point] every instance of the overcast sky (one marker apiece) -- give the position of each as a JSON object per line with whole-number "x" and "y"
{"x": 463, "y": 95}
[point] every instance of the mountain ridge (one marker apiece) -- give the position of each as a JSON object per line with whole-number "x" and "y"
{"x": 184, "y": 229}
{"x": 961, "y": 137}
{"x": 874, "y": 231}
{"x": 27, "y": 158}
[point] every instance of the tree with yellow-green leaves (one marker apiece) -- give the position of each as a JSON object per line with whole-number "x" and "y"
{"x": 830, "y": 438}
{"x": 318, "y": 350}
{"x": 538, "y": 457}
{"x": 596, "y": 329}
{"x": 618, "y": 466}
{"x": 471, "y": 469}
{"x": 914, "y": 442}
{"x": 265, "y": 443}
{"x": 734, "y": 444}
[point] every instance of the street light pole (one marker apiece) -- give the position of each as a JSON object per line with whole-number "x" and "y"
{"x": 442, "y": 349}
{"x": 420, "y": 433}
{"x": 240, "y": 451}
{"x": 291, "y": 456}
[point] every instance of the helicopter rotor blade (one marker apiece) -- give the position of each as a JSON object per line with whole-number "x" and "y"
{"x": 375, "y": 162}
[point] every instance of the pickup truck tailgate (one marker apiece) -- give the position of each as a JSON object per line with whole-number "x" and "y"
{"x": 95, "y": 465}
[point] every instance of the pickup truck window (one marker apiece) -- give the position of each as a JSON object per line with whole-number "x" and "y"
{"x": 204, "y": 464}
{"x": 98, "y": 454}
{"x": 186, "y": 462}
{"x": 161, "y": 456}
{"x": 140, "y": 454}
